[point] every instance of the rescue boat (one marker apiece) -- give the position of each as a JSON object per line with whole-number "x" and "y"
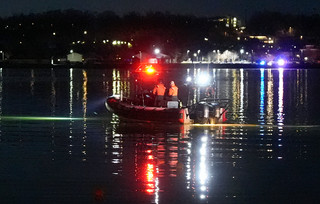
{"x": 208, "y": 111}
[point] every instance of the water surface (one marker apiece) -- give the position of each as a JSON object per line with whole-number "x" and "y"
{"x": 58, "y": 144}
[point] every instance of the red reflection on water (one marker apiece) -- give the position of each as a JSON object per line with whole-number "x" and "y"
{"x": 150, "y": 173}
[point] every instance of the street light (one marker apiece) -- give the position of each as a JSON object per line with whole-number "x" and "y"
{"x": 241, "y": 53}
{"x": 157, "y": 51}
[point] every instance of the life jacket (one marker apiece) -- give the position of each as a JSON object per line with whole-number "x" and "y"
{"x": 173, "y": 91}
{"x": 159, "y": 90}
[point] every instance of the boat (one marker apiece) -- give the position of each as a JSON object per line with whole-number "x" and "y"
{"x": 140, "y": 108}
{"x": 207, "y": 111}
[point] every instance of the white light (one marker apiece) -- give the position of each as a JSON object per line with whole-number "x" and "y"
{"x": 241, "y": 51}
{"x": 189, "y": 79}
{"x": 157, "y": 51}
{"x": 281, "y": 62}
{"x": 203, "y": 152}
{"x": 204, "y": 139}
{"x": 203, "y": 79}
{"x": 202, "y": 188}
{"x": 202, "y": 196}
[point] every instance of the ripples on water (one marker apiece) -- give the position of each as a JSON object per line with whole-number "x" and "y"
{"x": 93, "y": 158}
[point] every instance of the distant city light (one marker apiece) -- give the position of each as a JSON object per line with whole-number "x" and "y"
{"x": 189, "y": 79}
{"x": 262, "y": 62}
{"x": 281, "y": 62}
{"x": 157, "y": 51}
{"x": 85, "y": 32}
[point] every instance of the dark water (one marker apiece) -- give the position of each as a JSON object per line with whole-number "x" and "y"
{"x": 46, "y": 157}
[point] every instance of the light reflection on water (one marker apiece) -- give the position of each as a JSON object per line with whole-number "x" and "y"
{"x": 202, "y": 164}
{"x": 67, "y": 160}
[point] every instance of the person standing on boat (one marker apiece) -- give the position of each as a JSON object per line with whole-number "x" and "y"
{"x": 159, "y": 91}
{"x": 210, "y": 91}
{"x": 173, "y": 92}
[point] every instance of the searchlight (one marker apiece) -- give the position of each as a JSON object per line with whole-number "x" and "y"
{"x": 203, "y": 79}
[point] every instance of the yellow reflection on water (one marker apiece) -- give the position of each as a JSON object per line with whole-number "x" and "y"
{"x": 84, "y": 104}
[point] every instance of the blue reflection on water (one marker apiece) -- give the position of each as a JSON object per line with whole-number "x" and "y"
{"x": 262, "y": 114}
{"x": 51, "y": 161}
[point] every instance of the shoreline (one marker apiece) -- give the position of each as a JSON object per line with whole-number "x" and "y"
{"x": 164, "y": 66}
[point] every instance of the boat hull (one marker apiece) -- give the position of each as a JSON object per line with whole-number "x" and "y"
{"x": 133, "y": 113}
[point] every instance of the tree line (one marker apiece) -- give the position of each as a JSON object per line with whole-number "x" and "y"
{"x": 55, "y": 33}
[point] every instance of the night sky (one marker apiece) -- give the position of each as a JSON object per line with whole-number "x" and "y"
{"x": 240, "y": 8}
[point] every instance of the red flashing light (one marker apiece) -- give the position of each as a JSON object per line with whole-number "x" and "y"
{"x": 150, "y": 70}
{"x": 147, "y": 69}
